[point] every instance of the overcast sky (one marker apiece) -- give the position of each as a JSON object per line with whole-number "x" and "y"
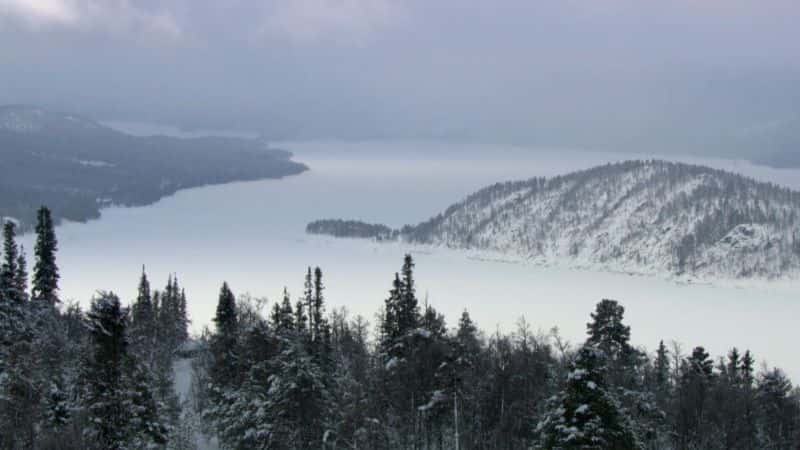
{"x": 607, "y": 72}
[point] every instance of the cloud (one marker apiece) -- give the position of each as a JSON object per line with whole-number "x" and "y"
{"x": 116, "y": 17}
{"x": 39, "y": 13}
{"x": 308, "y": 21}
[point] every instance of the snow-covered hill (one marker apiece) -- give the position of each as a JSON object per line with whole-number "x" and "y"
{"x": 652, "y": 217}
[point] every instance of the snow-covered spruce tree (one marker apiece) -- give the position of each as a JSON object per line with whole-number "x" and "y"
{"x": 150, "y": 417}
{"x": 692, "y": 396}
{"x": 626, "y": 369}
{"x": 220, "y": 375}
{"x": 183, "y": 316}
{"x": 778, "y": 410}
{"x": 397, "y": 397}
{"x": 354, "y": 385}
{"x": 412, "y": 348}
{"x": 21, "y": 277}
{"x": 731, "y": 408}
{"x": 121, "y": 411}
{"x": 223, "y": 343}
{"x": 320, "y": 335}
{"x": 20, "y": 373}
{"x": 298, "y": 403}
{"x": 585, "y": 415}
{"x": 284, "y": 397}
{"x": 608, "y": 333}
{"x": 317, "y": 311}
{"x": 408, "y": 307}
{"x": 308, "y": 296}
{"x": 104, "y": 399}
{"x": 282, "y": 317}
{"x": 156, "y": 331}
{"x": 661, "y": 372}
{"x": 143, "y": 322}
{"x": 171, "y": 318}
{"x": 45, "y": 270}
{"x": 300, "y": 318}
{"x": 19, "y": 396}
{"x": 389, "y": 330}
{"x": 9, "y": 272}
{"x": 465, "y": 366}
{"x": 13, "y": 321}
{"x": 747, "y": 371}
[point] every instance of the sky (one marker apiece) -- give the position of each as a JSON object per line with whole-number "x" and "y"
{"x": 714, "y": 76}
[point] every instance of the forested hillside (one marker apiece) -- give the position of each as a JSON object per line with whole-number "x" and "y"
{"x": 651, "y": 217}
{"x": 297, "y": 375}
{"x": 77, "y": 165}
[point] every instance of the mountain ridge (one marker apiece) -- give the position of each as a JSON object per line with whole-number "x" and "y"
{"x": 640, "y": 216}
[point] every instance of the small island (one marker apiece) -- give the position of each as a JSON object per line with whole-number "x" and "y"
{"x": 352, "y": 229}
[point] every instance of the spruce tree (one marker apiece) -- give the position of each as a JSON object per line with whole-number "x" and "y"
{"x": 609, "y": 334}
{"x": 9, "y": 286}
{"x": 183, "y": 318}
{"x": 748, "y": 369}
{"x": 21, "y": 278}
{"x": 298, "y": 407}
{"x": 697, "y": 375}
{"x": 285, "y": 322}
{"x": 105, "y": 398}
{"x": 300, "y": 318}
{"x": 389, "y": 325}
{"x": 142, "y": 312}
{"x": 321, "y": 332}
{"x": 148, "y": 424}
{"x": 275, "y": 319}
{"x": 318, "y": 311}
{"x": 780, "y": 412}
{"x": 224, "y": 340}
{"x": 662, "y": 368}
{"x": 45, "y": 270}
{"x": 607, "y": 331}
{"x": 408, "y": 308}
{"x": 585, "y": 415}
{"x": 467, "y": 333}
{"x": 308, "y": 297}
{"x": 733, "y": 366}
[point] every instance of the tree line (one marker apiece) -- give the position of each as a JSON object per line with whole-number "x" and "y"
{"x": 297, "y": 378}
{"x": 298, "y": 375}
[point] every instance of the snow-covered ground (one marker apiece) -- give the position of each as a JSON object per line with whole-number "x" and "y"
{"x": 252, "y": 235}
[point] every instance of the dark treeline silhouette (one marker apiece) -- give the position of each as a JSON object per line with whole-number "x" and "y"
{"x": 297, "y": 375}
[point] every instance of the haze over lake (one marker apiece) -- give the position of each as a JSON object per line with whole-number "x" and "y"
{"x": 252, "y": 235}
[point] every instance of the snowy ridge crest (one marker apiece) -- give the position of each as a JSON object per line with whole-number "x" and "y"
{"x": 646, "y": 217}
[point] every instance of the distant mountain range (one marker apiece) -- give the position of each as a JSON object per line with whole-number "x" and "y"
{"x": 649, "y": 217}
{"x": 76, "y": 165}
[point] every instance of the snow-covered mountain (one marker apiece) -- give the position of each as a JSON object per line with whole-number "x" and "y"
{"x": 652, "y": 217}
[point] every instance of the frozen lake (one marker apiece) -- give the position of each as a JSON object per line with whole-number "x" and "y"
{"x": 252, "y": 235}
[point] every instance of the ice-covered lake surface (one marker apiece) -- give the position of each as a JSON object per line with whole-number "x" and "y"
{"x": 251, "y": 235}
